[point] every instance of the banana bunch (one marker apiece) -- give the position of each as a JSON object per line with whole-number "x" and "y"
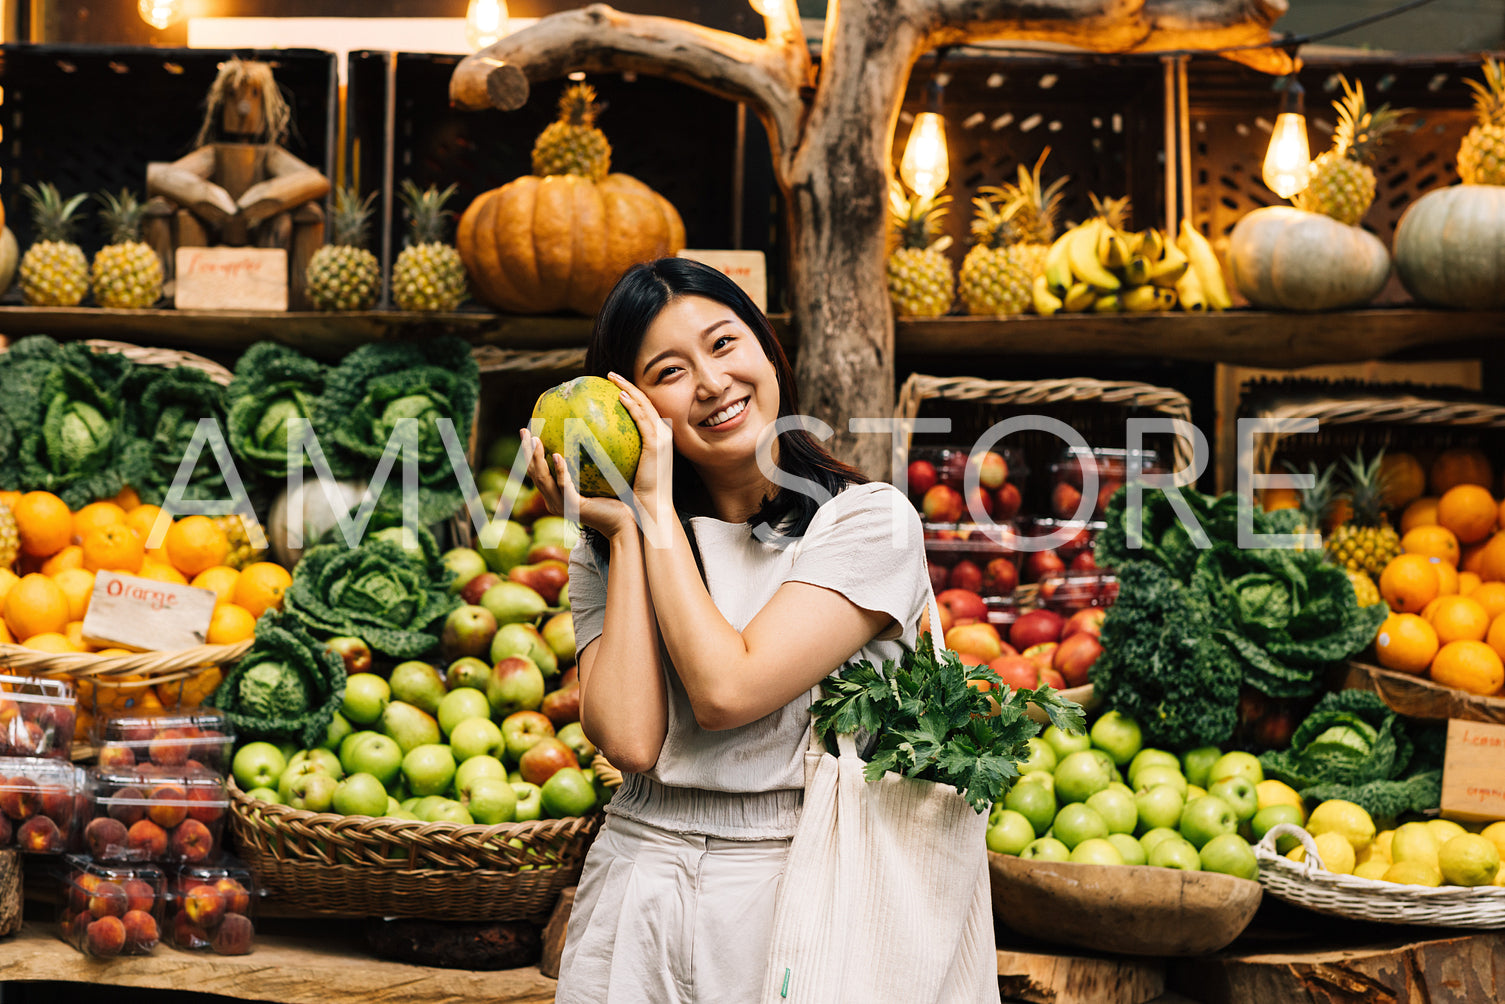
{"x": 1099, "y": 268}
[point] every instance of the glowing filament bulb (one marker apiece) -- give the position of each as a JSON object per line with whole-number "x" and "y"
{"x": 1288, "y": 161}
{"x": 485, "y": 22}
{"x": 158, "y": 13}
{"x": 925, "y": 167}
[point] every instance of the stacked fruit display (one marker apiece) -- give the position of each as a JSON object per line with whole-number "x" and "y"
{"x": 1041, "y": 646}
{"x": 1429, "y": 852}
{"x": 1193, "y": 812}
{"x": 111, "y": 909}
{"x": 210, "y": 906}
{"x": 38, "y": 804}
{"x": 153, "y": 812}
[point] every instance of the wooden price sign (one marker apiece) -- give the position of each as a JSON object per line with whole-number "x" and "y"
{"x": 746, "y": 268}
{"x": 1473, "y": 771}
{"x": 230, "y": 279}
{"x": 130, "y": 612}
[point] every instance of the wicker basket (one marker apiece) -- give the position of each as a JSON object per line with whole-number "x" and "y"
{"x": 365, "y": 866}
{"x": 1417, "y": 697}
{"x": 1310, "y": 885}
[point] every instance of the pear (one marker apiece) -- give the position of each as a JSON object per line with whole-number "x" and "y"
{"x": 409, "y": 726}
{"x": 418, "y": 684}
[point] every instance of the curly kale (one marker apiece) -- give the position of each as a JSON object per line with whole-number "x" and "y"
{"x": 273, "y": 384}
{"x": 165, "y": 406}
{"x": 286, "y": 687}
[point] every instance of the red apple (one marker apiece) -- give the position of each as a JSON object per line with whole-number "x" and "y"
{"x": 963, "y": 604}
{"x": 1089, "y": 620}
{"x": 473, "y": 590}
{"x": 1035, "y": 627}
{"x": 979, "y": 505}
{"x": 1050, "y": 678}
{"x": 938, "y": 573}
{"x": 543, "y": 758}
{"x": 922, "y": 476}
{"x": 1105, "y": 494}
{"x": 978, "y": 639}
{"x": 1039, "y": 564}
{"x": 953, "y": 469}
{"x": 1064, "y": 500}
{"x": 965, "y": 575}
{"x": 942, "y": 504}
{"x": 1041, "y": 654}
{"x": 1000, "y": 577}
{"x": 1084, "y": 561}
{"x": 1075, "y": 656}
{"x": 1017, "y": 671}
{"x": 992, "y": 470}
{"x": 1007, "y": 501}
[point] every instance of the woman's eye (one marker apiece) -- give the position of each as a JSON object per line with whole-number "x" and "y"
{"x": 667, "y": 371}
{"x": 723, "y": 341}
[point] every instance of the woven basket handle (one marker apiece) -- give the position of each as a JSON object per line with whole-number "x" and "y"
{"x": 1274, "y": 833}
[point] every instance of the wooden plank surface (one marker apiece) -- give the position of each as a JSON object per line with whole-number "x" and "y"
{"x": 286, "y": 969}
{"x": 1074, "y": 979}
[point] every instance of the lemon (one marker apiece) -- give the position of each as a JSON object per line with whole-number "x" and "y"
{"x": 1500, "y": 876}
{"x": 1372, "y": 869}
{"x": 1495, "y": 833}
{"x": 1445, "y": 830}
{"x": 1273, "y": 792}
{"x": 1382, "y": 844}
{"x": 1469, "y": 860}
{"x": 1334, "y": 849}
{"x": 1414, "y": 842}
{"x": 1413, "y": 873}
{"x": 1345, "y": 819}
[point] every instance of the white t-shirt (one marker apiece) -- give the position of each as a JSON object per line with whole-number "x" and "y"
{"x": 747, "y": 783}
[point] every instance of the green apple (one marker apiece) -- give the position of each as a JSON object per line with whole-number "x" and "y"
{"x": 1035, "y": 802}
{"x": 1270, "y": 815}
{"x": 555, "y": 530}
{"x": 1197, "y": 764}
{"x": 393, "y": 805}
{"x": 1116, "y": 808}
{"x": 522, "y": 730}
{"x": 1046, "y": 849}
{"x": 1044, "y": 778}
{"x": 1096, "y": 851}
{"x": 460, "y": 704}
{"x": 1041, "y": 756}
{"x": 468, "y": 671}
{"x": 504, "y": 544}
{"x": 475, "y": 737}
{"x": 366, "y": 696}
{"x": 1117, "y": 735}
{"x": 360, "y": 795}
{"x": 1150, "y": 838}
{"x": 446, "y": 810}
{"x": 294, "y": 773}
{"x": 1229, "y": 854}
{"x": 428, "y": 769}
{"x": 1011, "y": 834}
{"x": 572, "y": 734}
{"x": 419, "y": 684}
{"x": 409, "y": 725}
{"x": 372, "y": 753}
{"x": 1077, "y": 822}
{"x": 1153, "y": 776}
{"x": 1120, "y": 787}
{"x": 257, "y": 765}
{"x": 1131, "y": 850}
{"x": 265, "y": 795}
{"x": 1065, "y": 742}
{"x": 323, "y": 759}
{"x": 567, "y": 792}
{"x": 516, "y": 684}
{"x": 1238, "y": 791}
{"x": 1235, "y": 764}
{"x": 1175, "y": 853}
{"x": 312, "y": 792}
{"x": 1150, "y": 757}
{"x": 489, "y": 800}
{"x": 1082, "y": 774}
{"x": 339, "y": 728}
{"x": 529, "y": 801}
{"x": 466, "y": 563}
{"x": 1207, "y": 817}
{"x": 474, "y": 768}
{"x": 1158, "y": 808}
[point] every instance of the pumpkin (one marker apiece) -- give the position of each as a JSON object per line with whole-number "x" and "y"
{"x": 541, "y": 245}
{"x": 1450, "y": 247}
{"x": 309, "y": 503}
{"x": 1289, "y": 259}
{"x": 10, "y": 256}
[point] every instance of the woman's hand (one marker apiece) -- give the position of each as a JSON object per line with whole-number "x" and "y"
{"x": 607, "y": 516}
{"x": 656, "y": 461}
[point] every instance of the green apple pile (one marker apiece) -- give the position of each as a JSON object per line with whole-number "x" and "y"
{"x": 1103, "y": 798}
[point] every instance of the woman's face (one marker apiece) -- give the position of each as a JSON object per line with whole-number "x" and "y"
{"x": 706, "y": 373}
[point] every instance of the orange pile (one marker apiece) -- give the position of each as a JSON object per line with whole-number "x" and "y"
{"x": 1447, "y": 588}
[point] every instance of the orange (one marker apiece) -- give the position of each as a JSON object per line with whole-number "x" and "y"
{"x": 230, "y": 624}
{"x": 113, "y": 548}
{"x": 1403, "y": 478}
{"x": 1468, "y": 582}
{"x": 144, "y": 518}
{"x": 127, "y": 498}
{"x": 1447, "y": 577}
{"x": 1495, "y": 639}
{"x": 5, "y": 638}
{"x": 260, "y": 587}
{"x": 1406, "y": 643}
{"x": 1274, "y": 499}
{"x": 220, "y": 580}
{"x": 78, "y": 585}
{"x": 196, "y": 543}
{"x": 71, "y": 556}
{"x": 1458, "y": 618}
{"x": 1491, "y": 559}
{"x": 1460, "y": 466}
{"x": 93, "y": 516}
{"x": 49, "y": 641}
{"x": 198, "y": 686}
{"x": 159, "y": 572}
{"x": 1471, "y": 666}
{"x": 1472, "y": 559}
{"x": 1422, "y": 512}
{"x": 1490, "y": 596}
{"x": 75, "y": 635}
{"x": 1408, "y": 583}
{"x": 9, "y": 499}
{"x": 1469, "y": 511}
{"x": 7, "y": 579}
{"x": 1432, "y": 541}
{"x": 44, "y": 522}
{"x": 1430, "y": 609}
{"x": 34, "y": 606}
{"x": 1500, "y": 514}
{"x": 1338, "y": 513}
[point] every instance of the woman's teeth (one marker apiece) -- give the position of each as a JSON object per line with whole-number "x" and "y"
{"x": 729, "y": 412}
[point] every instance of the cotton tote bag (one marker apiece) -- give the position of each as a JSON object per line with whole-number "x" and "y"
{"x": 885, "y": 893}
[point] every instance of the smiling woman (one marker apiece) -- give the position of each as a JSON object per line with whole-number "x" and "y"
{"x": 703, "y": 636}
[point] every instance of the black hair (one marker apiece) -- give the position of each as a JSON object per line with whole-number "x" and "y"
{"x": 631, "y": 307}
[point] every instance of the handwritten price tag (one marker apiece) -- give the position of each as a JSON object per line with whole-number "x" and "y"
{"x": 1473, "y": 771}
{"x": 231, "y": 279}
{"x": 746, "y": 268}
{"x": 130, "y": 612}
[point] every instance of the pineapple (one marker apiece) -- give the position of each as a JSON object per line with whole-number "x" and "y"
{"x": 1364, "y": 589}
{"x": 573, "y": 144}
{"x": 1316, "y": 502}
{"x": 920, "y": 282}
{"x": 10, "y": 537}
{"x": 1481, "y": 155}
{"x": 1116, "y": 212}
{"x": 1013, "y": 230}
{"x": 1367, "y": 541}
{"x": 1342, "y": 182}
{"x": 343, "y": 275}
{"x": 242, "y": 551}
{"x": 54, "y": 271}
{"x": 127, "y": 272}
{"x": 428, "y": 274}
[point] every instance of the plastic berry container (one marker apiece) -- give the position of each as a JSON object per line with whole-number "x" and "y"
{"x": 37, "y": 717}
{"x": 972, "y": 556}
{"x": 937, "y": 477}
{"x": 210, "y": 907}
{"x": 1074, "y": 550}
{"x": 111, "y": 909}
{"x": 174, "y": 739}
{"x": 37, "y": 805}
{"x": 150, "y": 813}
{"x": 1112, "y": 467}
{"x": 1067, "y": 593}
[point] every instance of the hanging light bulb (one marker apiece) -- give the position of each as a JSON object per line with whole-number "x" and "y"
{"x": 159, "y": 13}
{"x": 485, "y": 22}
{"x": 1288, "y": 161}
{"x": 925, "y": 166}
{"x": 773, "y": 10}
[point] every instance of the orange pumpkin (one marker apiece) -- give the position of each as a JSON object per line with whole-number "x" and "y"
{"x": 541, "y": 245}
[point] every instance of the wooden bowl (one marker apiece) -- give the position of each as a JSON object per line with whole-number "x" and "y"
{"x": 1125, "y": 909}
{"x": 1081, "y": 695}
{"x": 1418, "y": 697}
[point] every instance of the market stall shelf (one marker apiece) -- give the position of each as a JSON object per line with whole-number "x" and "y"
{"x": 1417, "y": 697}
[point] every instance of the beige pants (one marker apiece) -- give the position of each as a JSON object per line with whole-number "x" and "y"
{"x": 669, "y": 918}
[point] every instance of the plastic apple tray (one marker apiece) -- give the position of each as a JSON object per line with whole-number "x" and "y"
{"x": 945, "y": 468}
{"x": 36, "y": 717}
{"x": 209, "y": 906}
{"x": 38, "y": 804}
{"x": 368, "y": 866}
{"x": 172, "y": 739}
{"x": 151, "y": 813}
{"x": 1112, "y": 469}
{"x": 1073, "y": 591}
{"x": 972, "y": 556}
{"x": 110, "y": 909}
